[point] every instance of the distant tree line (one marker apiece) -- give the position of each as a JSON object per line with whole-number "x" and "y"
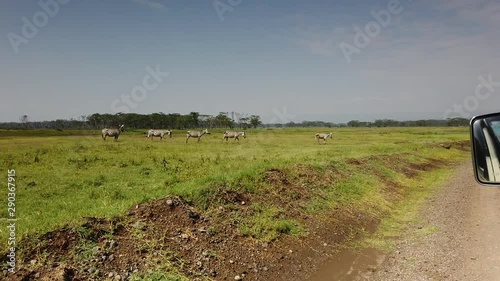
{"x": 452, "y": 122}
{"x": 195, "y": 120}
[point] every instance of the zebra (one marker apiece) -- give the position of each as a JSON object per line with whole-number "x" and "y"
{"x": 323, "y": 137}
{"x": 235, "y": 135}
{"x": 112, "y": 132}
{"x": 198, "y": 135}
{"x": 153, "y": 133}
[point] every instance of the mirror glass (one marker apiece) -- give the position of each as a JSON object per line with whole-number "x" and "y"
{"x": 485, "y": 141}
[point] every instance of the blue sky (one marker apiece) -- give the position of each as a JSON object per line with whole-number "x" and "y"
{"x": 278, "y": 59}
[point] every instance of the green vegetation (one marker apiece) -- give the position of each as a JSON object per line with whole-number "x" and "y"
{"x": 157, "y": 276}
{"x": 61, "y": 179}
{"x": 405, "y": 213}
{"x": 265, "y": 225}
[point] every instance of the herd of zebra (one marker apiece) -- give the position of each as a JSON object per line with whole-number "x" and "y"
{"x": 192, "y": 134}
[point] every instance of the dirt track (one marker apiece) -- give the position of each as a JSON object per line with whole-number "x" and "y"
{"x": 466, "y": 243}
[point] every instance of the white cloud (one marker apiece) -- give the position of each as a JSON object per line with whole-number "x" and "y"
{"x": 410, "y": 36}
{"x": 417, "y": 62}
{"x": 484, "y": 12}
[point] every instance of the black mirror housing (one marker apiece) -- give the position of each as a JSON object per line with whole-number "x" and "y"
{"x": 485, "y": 142}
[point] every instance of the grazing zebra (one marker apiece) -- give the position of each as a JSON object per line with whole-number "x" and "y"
{"x": 323, "y": 137}
{"x": 235, "y": 135}
{"x": 197, "y": 135}
{"x": 112, "y": 132}
{"x": 154, "y": 133}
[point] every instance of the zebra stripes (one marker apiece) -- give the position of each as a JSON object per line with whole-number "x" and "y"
{"x": 112, "y": 132}
{"x": 235, "y": 135}
{"x": 198, "y": 135}
{"x": 323, "y": 137}
{"x": 115, "y": 133}
{"x": 160, "y": 133}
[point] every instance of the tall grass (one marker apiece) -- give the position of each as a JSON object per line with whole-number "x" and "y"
{"x": 61, "y": 179}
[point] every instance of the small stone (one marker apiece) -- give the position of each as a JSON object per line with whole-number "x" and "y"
{"x": 193, "y": 215}
{"x": 243, "y": 203}
{"x": 265, "y": 268}
{"x": 110, "y": 275}
{"x": 231, "y": 261}
{"x": 139, "y": 225}
{"x": 324, "y": 244}
{"x": 170, "y": 202}
{"x": 237, "y": 277}
{"x": 290, "y": 251}
{"x": 112, "y": 243}
{"x": 118, "y": 277}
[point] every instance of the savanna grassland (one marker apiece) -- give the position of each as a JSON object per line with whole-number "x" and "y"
{"x": 277, "y": 186}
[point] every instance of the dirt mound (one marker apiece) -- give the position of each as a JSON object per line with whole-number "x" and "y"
{"x": 168, "y": 230}
{"x": 460, "y": 145}
{"x": 276, "y": 176}
{"x": 174, "y": 236}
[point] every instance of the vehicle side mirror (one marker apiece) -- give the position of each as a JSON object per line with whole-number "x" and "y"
{"x": 485, "y": 142}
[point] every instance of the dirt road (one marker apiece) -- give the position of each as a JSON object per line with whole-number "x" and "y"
{"x": 465, "y": 244}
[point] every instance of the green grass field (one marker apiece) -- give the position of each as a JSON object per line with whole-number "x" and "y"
{"x": 63, "y": 178}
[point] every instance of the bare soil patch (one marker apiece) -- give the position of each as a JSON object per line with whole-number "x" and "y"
{"x": 171, "y": 234}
